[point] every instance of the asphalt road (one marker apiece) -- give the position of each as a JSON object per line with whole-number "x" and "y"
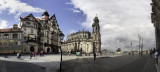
{"x": 8, "y": 66}
{"x": 126, "y": 63}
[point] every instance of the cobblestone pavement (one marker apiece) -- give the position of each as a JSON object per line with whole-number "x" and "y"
{"x": 144, "y": 64}
{"x": 8, "y": 66}
{"x": 125, "y": 63}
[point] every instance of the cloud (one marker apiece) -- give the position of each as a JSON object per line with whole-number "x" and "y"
{"x": 3, "y": 24}
{"x": 17, "y": 7}
{"x": 76, "y": 11}
{"x": 69, "y": 3}
{"x": 120, "y": 21}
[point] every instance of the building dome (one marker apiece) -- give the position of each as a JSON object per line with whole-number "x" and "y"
{"x": 45, "y": 14}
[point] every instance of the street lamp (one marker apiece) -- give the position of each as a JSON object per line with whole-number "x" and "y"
{"x": 61, "y": 39}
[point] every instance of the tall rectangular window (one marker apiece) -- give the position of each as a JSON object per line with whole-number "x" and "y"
{"x": 15, "y": 36}
{"x": 31, "y": 31}
{"x": 24, "y": 30}
{"x": 19, "y": 42}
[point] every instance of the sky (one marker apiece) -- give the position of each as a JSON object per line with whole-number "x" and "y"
{"x": 120, "y": 21}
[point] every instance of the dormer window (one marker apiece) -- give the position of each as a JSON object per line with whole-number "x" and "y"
{"x": 15, "y": 28}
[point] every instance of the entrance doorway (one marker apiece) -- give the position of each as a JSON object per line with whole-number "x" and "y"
{"x": 48, "y": 50}
{"x": 32, "y": 49}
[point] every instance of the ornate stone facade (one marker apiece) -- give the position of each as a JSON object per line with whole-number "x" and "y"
{"x": 83, "y": 41}
{"x": 40, "y": 33}
{"x": 155, "y": 16}
{"x": 11, "y": 39}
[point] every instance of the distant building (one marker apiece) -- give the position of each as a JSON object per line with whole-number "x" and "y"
{"x": 83, "y": 40}
{"x": 155, "y": 20}
{"x": 11, "y": 39}
{"x": 40, "y": 33}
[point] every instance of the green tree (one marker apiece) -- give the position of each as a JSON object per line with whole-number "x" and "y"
{"x": 118, "y": 50}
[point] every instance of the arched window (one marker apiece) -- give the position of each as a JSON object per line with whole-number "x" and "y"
{"x": 6, "y": 35}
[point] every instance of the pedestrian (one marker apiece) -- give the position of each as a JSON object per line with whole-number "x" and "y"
{"x": 151, "y": 52}
{"x": 41, "y": 53}
{"x": 5, "y": 54}
{"x": 34, "y": 54}
{"x": 18, "y": 55}
{"x": 156, "y": 56}
{"x": 94, "y": 56}
{"x": 31, "y": 54}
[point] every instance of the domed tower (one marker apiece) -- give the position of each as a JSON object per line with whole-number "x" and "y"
{"x": 96, "y": 36}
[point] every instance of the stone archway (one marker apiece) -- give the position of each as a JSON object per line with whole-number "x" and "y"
{"x": 32, "y": 48}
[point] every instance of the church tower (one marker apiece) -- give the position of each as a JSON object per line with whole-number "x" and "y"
{"x": 96, "y": 36}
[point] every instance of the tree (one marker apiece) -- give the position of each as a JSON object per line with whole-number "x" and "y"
{"x": 118, "y": 50}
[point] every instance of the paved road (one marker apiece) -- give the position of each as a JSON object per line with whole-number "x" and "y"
{"x": 8, "y": 66}
{"x": 127, "y": 63}
{"x": 144, "y": 64}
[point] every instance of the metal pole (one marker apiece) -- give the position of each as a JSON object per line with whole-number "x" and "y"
{"x": 61, "y": 60}
{"x": 139, "y": 42}
{"x": 142, "y": 47}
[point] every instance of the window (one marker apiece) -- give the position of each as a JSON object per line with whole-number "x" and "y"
{"x": 87, "y": 47}
{"x": 25, "y": 39}
{"x": 15, "y": 28}
{"x": 34, "y": 26}
{"x": 27, "y": 23}
{"x": 19, "y": 42}
{"x": 31, "y": 31}
{"x": 42, "y": 33}
{"x": 24, "y": 31}
{"x": 15, "y": 36}
{"x": 6, "y": 35}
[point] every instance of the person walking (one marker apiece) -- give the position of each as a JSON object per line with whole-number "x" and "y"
{"x": 5, "y": 54}
{"x": 34, "y": 54}
{"x": 151, "y": 52}
{"x": 94, "y": 56}
{"x": 31, "y": 54}
{"x": 156, "y": 56}
{"x": 18, "y": 55}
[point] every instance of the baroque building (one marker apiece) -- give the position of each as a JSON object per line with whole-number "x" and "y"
{"x": 155, "y": 15}
{"x": 83, "y": 40}
{"x": 11, "y": 39}
{"x": 40, "y": 33}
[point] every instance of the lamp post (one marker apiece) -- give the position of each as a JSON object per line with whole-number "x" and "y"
{"x": 61, "y": 39}
{"x": 139, "y": 42}
{"x": 140, "y": 45}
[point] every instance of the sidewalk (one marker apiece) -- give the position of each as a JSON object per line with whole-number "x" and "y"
{"x": 158, "y": 65}
{"x": 50, "y": 62}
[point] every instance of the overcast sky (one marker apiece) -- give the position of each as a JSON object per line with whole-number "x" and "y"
{"x": 120, "y": 20}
